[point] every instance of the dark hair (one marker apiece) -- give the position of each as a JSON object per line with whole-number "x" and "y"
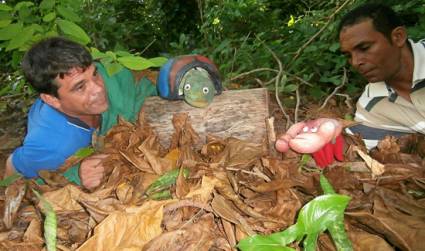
{"x": 384, "y": 19}
{"x": 50, "y": 58}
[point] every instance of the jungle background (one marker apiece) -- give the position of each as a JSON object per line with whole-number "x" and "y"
{"x": 290, "y": 47}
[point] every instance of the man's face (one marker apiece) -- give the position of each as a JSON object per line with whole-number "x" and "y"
{"x": 81, "y": 93}
{"x": 370, "y": 52}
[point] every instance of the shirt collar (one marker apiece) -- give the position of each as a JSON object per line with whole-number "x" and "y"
{"x": 419, "y": 61}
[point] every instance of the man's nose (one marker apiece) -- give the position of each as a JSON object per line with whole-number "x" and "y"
{"x": 356, "y": 60}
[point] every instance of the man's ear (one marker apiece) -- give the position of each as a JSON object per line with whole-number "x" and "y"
{"x": 51, "y": 100}
{"x": 399, "y": 36}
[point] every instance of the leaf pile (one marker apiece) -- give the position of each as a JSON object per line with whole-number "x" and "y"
{"x": 220, "y": 194}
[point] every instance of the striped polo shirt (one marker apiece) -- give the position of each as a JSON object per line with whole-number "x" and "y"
{"x": 381, "y": 111}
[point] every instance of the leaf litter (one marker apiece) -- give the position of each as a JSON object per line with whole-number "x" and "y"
{"x": 233, "y": 189}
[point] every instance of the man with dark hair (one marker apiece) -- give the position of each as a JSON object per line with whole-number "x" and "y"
{"x": 375, "y": 42}
{"x": 77, "y": 98}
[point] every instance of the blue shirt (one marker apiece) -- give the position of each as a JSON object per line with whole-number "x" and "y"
{"x": 51, "y": 138}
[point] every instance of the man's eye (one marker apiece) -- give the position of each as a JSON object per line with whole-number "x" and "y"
{"x": 79, "y": 88}
{"x": 364, "y": 48}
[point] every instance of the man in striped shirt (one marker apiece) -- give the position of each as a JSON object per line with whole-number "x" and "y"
{"x": 375, "y": 41}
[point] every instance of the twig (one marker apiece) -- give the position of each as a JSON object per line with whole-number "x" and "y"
{"x": 147, "y": 46}
{"x": 278, "y": 79}
{"x": 297, "y": 105}
{"x": 347, "y": 99}
{"x": 344, "y": 80}
{"x": 298, "y": 53}
{"x": 252, "y": 71}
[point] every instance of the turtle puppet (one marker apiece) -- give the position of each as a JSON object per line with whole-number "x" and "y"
{"x": 193, "y": 78}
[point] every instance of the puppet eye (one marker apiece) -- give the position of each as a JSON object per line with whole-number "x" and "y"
{"x": 187, "y": 87}
{"x": 314, "y": 129}
{"x": 205, "y": 90}
{"x": 305, "y": 129}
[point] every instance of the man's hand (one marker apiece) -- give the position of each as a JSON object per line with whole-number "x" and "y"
{"x": 321, "y": 137}
{"x": 91, "y": 171}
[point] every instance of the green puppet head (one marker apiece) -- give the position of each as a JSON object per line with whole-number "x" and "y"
{"x": 197, "y": 87}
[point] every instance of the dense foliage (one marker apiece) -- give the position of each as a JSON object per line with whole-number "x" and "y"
{"x": 292, "y": 44}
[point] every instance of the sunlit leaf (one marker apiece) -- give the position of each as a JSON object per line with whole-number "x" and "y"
{"x": 135, "y": 62}
{"x": 112, "y": 68}
{"x": 158, "y": 61}
{"x": 84, "y": 152}
{"x": 73, "y": 30}
{"x": 96, "y": 54}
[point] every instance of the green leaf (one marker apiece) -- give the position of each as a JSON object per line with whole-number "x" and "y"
{"x": 10, "y": 31}
{"x": 111, "y": 55}
{"x": 37, "y": 28}
{"x": 50, "y": 222}
{"x": 23, "y": 4}
{"x": 4, "y": 23}
{"x": 290, "y": 88}
{"x": 135, "y": 62}
{"x": 20, "y": 40}
{"x": 84, "y": 152}
{"x": 4, "y": 15}
{"x": 112, "y": 68}
{"x": 47, "y": 4}
{"x": 73, "y": 30}
{"x": 5, "y": 7}
{"x": 10, "y": 179}
{"x": 314, "y": 218}
{"x": 334, "y": 47}
{"x": 68, "y": 14}
{"x": 123, "y": 53}
{"x": 158, "y": 61}
{"x": 96, "y": 54}
{"x": 49, "y": 17}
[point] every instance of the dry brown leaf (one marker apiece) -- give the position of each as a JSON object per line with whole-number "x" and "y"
{"x": 202, "y": 235}
{"x": 184, "y": 134}
{"x": 129, "y": 229}
{"x": 238, "y": 154}
{"x": 14, "y": 194}
{"x": 33, "y": 232}
{"x": 66, "y": 198}
{"x": 225, "y": 209}
{"x": 403, "y": 231}
{"x": 376, "y": 167}
{"x": 182, "y": 186}
{"x": 159, "y": 165}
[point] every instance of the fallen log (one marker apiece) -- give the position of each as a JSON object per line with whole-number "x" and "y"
{"x": 237, "y": 113}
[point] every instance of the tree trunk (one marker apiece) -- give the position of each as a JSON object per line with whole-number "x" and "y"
{"x": 240, "y": 113}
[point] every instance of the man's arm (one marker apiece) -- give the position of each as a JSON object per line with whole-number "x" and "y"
{"x": 10, "y": 169}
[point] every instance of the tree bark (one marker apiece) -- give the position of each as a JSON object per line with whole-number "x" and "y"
{"x": 238, "y": 113}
